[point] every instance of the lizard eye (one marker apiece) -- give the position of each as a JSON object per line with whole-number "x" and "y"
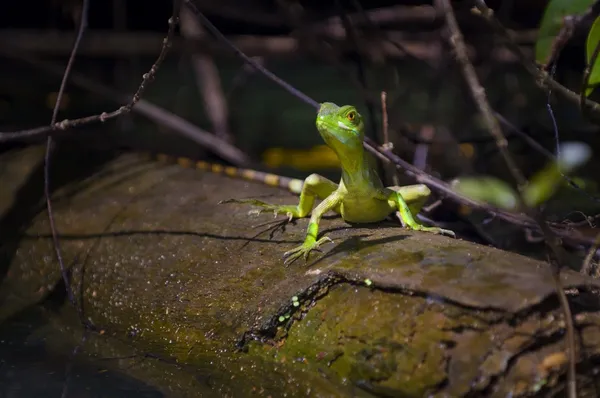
{"x": 351, "y": 116}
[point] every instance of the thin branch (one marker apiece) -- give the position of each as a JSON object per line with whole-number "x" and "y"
{"x": 392, "y": 10}
{"x": 47, "y": 157}
{"x": 564, "y": 231}
{"x": 388, "y": 155}
{"x": 588, "y": 262}
{"x": 145, "y": 108}
{"x": 570, "y": 24}
{"x": 104, "y": 116}
{"x": 541, "y": 77}
{"x": 552, "y": 242}
{"x": 297, "y": 93}
{"x": 388, "y": 168}
{"x": 149, "y": 110}
{"x": 560, "y": 40}
{"x": 478, "y": 93}
{"x": 385, "y": 123}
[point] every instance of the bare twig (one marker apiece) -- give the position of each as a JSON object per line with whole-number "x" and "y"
{"x": 446, "y": 189}
{"x": 570, "y": 23}
{"x": 159, "y": 115}
{"x": 561, "y": 39}
{"x": 104, "y": 116}
{"x": 552, "y": 242}
{"x": 541, "y": 77}
{"x": 385, "y": 123}
{"x": 305, "y": 98}
{"x": 389, "y": 169}
{"x": 145, "y": 108}
{"x": 389, "y": 156}
{"x": 47, "y": 158}
{"x": 392, "y": 11}
{"x": 478, "y": 93}
{"x": 588, "y": 262}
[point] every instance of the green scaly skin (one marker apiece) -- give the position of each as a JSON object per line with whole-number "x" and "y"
{"x": 360, "y": 197}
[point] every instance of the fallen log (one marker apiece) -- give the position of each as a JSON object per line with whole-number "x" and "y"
{"x": 157, "y": 263}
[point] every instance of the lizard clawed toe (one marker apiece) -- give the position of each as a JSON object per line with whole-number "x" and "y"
{"x": 448, "y": 232}
{"x": 304, "y": 250}
{"x": 436, "y": 230}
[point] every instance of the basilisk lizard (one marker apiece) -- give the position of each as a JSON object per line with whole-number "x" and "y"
{"x": 360, "y": 196}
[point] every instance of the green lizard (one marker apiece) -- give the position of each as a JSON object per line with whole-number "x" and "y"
{"x": 360, "y": 197}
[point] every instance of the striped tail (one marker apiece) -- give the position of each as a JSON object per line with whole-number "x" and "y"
{"x": 293, "y": 185}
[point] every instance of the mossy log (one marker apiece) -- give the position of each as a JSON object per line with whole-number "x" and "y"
{"x": 157, "y": 262}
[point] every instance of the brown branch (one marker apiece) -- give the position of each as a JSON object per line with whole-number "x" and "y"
{"x": 83, "y": 22}
{"x": 588, "y": 263}
{"x": 389, "y": 156}
{"x": 104, "y": 116}
{"x": 570, "y": 24}
{"x": 478, "y": 92}
{"x": 149, "y": 110}
{"x": 555, "y": 252}
{"x": 541, "y": 77}
{"x": 560, "y": 41}
{"x": 145, "y": 108}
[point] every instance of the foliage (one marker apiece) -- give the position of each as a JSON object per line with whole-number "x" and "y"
{"x": 541, "y": 187}
{"x": 591, "y": 53}
{"x": 552, "y": 23}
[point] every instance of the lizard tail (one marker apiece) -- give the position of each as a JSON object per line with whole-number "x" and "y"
{"x": 293, "y": 185}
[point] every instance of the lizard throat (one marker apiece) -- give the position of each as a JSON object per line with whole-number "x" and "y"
{"x": 352, "y": 159}
{"x": 348, "y": 148}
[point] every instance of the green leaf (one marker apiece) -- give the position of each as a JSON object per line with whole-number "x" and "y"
{"x": 590, "y": 47}
{"x": 543, "y": 184}
{"x": 487, "y": 189}
{"x": 552, "y": 22}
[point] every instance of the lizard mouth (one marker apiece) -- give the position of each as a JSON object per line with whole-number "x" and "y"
{"x": 326, "y": 129}
{"x": 335, "y": 131}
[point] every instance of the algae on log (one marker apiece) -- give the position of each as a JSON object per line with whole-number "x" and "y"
{"x": 383, "y": 312}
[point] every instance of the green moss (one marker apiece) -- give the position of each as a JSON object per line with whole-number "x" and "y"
{"x": 381, "y": 341}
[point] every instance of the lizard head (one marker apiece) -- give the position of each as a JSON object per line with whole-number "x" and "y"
{"x": 341, "y": 127}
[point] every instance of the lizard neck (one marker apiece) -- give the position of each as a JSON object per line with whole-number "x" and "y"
{"x": 353, "y": 162}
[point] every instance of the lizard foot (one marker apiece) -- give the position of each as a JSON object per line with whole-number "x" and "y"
{"x": 304, "y": 250}
{"x": 288, "y": 210}
{"x": 435, "y": 230}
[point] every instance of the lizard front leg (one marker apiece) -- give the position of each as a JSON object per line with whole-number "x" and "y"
{"x": 397, "y": 202}
{"x": 315, "y": 186}
{"x": 415, "y": 195}
{"x": 310, "y": 242}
